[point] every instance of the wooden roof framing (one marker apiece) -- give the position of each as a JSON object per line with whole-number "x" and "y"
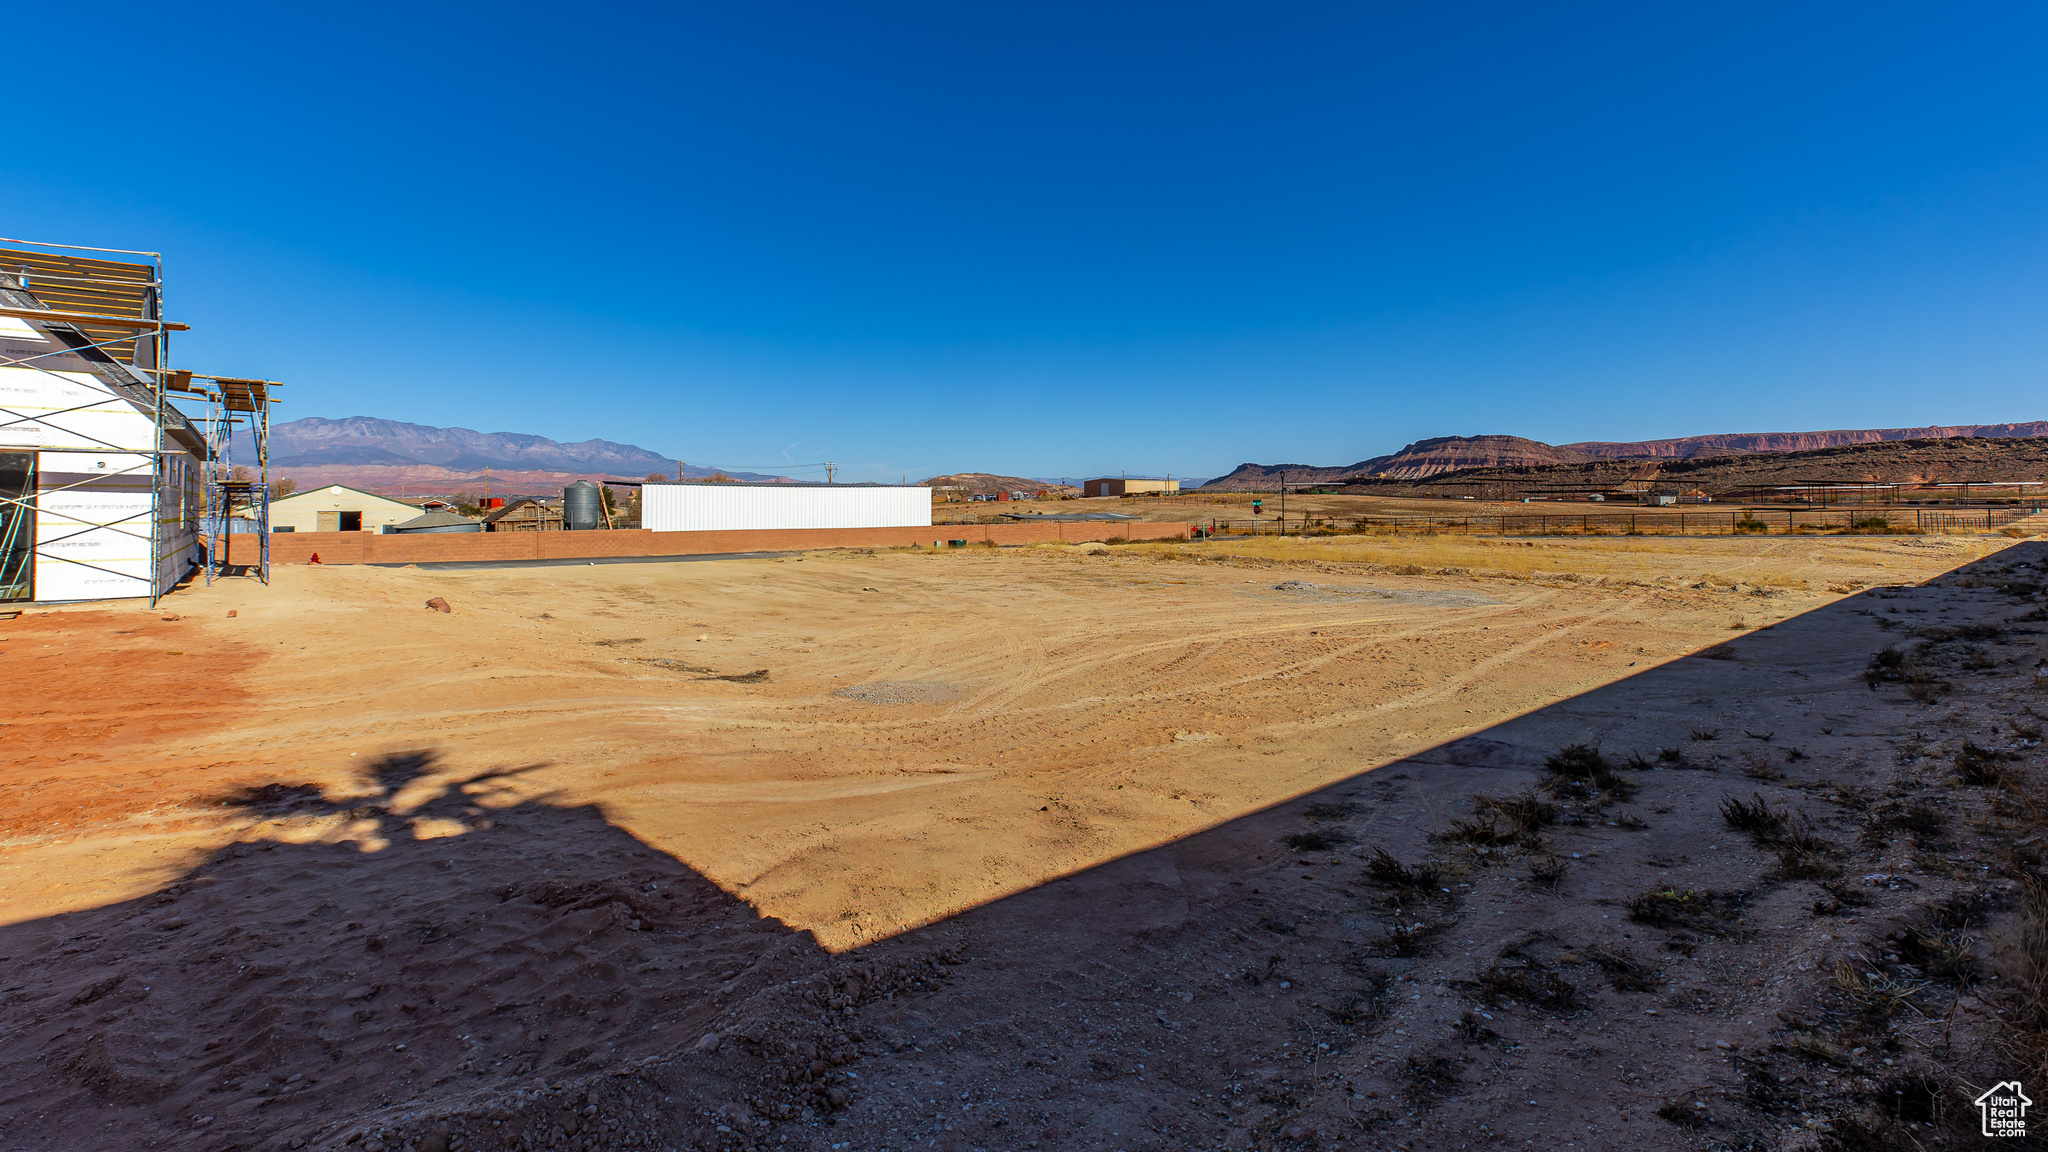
{"x": 244, "y": 395}
{"x": 85, "y": 289}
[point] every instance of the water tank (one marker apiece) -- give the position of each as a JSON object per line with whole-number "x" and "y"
{"x": 582, "y": 506}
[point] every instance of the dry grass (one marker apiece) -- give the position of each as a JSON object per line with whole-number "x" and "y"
{"x": 1838, "y": 565}
{"x": 2027, "y": 966}
{"x": 1881, "y": 995}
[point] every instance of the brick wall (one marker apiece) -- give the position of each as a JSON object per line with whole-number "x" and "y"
{"x": 377, "y": 548}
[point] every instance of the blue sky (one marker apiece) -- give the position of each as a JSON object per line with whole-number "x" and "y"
{"x": 1068, "y": 239}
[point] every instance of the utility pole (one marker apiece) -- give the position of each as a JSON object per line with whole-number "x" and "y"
{"x": 831, "y": 470}
{"x": 1283, "y": 503}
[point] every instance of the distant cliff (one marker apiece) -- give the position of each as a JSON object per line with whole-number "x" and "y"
{"x": 1740, "y": 443}
{"x": 1456, "y": 453}
{"x": 1422, "y": 458}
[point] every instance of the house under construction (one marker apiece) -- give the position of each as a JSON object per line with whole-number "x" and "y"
{"x": 104, "y": 483}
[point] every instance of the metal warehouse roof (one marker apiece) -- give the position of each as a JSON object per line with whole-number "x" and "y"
{"x": 434, "y": 520}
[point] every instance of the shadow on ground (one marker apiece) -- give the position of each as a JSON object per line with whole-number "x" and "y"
{"x": 451, "y": 967}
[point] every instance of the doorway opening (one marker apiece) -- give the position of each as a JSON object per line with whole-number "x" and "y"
{"x": 17, "y": 525}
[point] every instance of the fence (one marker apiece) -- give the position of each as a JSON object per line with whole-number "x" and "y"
{"x": 1734, "y": 522}
{"x": 431, "y": 548}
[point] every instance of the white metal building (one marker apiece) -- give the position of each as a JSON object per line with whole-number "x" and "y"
{"x": 717, "y": 507}
{"x": 100, "y": 478}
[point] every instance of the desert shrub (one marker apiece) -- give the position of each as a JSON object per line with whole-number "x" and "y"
{"x": 1879, "y": 995}
{"x": 1885, "y": 664}
{"x": 1755, "y": 816}
{"x": 1483, "y": 831}
{"x": 1751, "y": 525}
{"x": 1835, "y": 896}
{"x": 1524, "y": 813}
{"x": 1624, "y": 972}
{"x": 1578, "y": 761}
{"x": 1580, "y": 772}
{"x": 1757, "y": 768}
{"x": 1802, "y": 854}
{"x": 1913, "y": 817}
{"x": 1425, "y": 1082}
{"x": 1926, "y": 691}
{"x": 1405, "y": 940}
{"x": 1854, "y": 797}
{"x": 1977, "y": 765}
{"x": 1531, "y": 984}
{"x": 1475, "y": 1031}
{"x": 1694, "y": 909}
{"x": 1943, "y": 953}
{"x": 1799, "y": 863}
{"x": 1388, "y": 872}
{"x": 1890, "y": 664}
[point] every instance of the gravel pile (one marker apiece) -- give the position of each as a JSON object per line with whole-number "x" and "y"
{"x": 901, "y": 692}
{"x": 1397, "y": 595}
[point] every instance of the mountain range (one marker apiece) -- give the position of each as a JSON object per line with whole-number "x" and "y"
{"x": 1454, "y": 453}
{"x": 378, "y": 455}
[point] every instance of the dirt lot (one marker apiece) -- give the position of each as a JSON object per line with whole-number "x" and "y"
{"x": 1029, "y": 848}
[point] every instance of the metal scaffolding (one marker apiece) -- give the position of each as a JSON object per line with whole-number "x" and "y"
{"x": 230, "y": 403}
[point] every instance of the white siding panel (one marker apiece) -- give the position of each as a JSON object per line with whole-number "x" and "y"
{"x": 68, "y": 410}
{"x": 728, "y": 507}
{"x": 93, "y": 518}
